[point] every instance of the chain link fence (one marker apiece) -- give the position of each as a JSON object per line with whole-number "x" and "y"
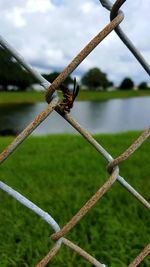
{"x": 63, "y": 107}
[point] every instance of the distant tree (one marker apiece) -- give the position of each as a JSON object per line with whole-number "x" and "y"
{"x": 11, "y": 73}
{"x": 126, "y": 84}
{"x": 24, "y": 81}
{"x": 95, "y": 78}
{"x": 52, "y": 76}
{"x": 143, "y": 85}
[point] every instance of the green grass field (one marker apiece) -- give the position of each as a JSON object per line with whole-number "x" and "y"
{"x": 33, "y": 97}
{"x": 60, "y": 173}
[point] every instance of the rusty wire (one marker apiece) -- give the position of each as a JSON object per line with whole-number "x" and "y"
{"x": 125, "y": 39}
{"x": 89, "y": 204}
{"x": 82, "y": 55}
{"x": 116, "y": 17}
{"x": 73, "y": 247}
{"x": 141, "y": 256}
{"x": 126, "y": 154}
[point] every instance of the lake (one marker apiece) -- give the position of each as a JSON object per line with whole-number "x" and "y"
{"x": 116, "y": 115}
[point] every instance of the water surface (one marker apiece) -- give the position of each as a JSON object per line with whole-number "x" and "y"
{"x": 110, "y": 116}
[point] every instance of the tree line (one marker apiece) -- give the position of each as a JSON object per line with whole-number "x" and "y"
{"x": 14, "y": 77}
{"x": 95, "y": 79}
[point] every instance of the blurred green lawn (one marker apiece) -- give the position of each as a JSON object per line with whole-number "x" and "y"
{"x": 60, "y": 173}
{"x": 33, "y": 97}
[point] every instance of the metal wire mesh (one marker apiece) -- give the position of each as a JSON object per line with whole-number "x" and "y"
{"x": 116, "y": 17}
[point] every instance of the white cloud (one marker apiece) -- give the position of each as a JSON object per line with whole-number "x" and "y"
{"x": 86, "y": 7}
{"x": 43, "y": 6}
{"x": 16, "y": 15}
{"x": 49, "y": 33}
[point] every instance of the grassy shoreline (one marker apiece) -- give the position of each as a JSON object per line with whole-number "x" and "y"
{"x": 60, "y": 173}
{"x": 34, "y": 97}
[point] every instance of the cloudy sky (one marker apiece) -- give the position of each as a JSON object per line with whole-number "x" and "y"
{"x": 49, "y": 33}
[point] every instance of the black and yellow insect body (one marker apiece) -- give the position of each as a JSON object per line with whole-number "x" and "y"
{"x": 68, "y": 97}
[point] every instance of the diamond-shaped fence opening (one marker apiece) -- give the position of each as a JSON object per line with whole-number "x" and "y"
{"x": 63, "y": 107}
